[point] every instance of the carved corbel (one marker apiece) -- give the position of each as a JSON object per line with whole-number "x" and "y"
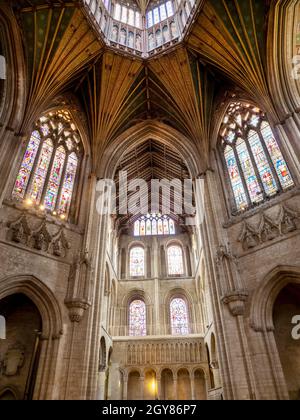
{"x": 236, "y": 301}
{"x": 77, "y": 300}
{"x": 77, "y": 307}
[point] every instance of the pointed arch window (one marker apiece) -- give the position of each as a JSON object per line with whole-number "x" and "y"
{"x": 154, "y": 224}
{"x": 255, "y": 164}
{"x": 50, "y": 164}
{"x": 175, "y": 261}
{"x": 137, "y": 262}
{"x": 179, "y": 317}
{"x": 137, "y": 318}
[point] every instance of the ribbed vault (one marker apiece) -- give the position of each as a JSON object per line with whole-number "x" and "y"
{"x": 225, "y": 47}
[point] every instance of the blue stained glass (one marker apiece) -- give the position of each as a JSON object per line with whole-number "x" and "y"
{"x": 154, "y": 224}
{"x": 27, "y": 165}
{"x": 235, "y": 178}
{"x": 40, "y": 174}
{"x": 68, "y": 185}
{"x": 55, "y": 178}
{"x": 280, "y": 164}
{"x": 137, "y": 262}
{"x": 262, "y": 163}
{"x": 179, "y": 317}
{"x": 249, "y": 172}
{"x": 175, "y": 261}
{"x": 137, "y": 319}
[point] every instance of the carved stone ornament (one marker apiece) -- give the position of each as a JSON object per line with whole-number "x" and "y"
{"x": 60, "y": 244}
{"x": 268, "y": 229}
{"x": 20, "y": 231}
{"x": 77, "y": 307}
{"x": 224, "y": 252}
{"x": 236, "y": 301}
{"x": 40, "y": 239}
{"x": 13, "y": 360}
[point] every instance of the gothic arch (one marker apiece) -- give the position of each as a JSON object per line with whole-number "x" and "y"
{"x": 14, "y": 92}
{"x": 131, "y": 246}
{"x": 264, "y": 297}
{"x": 41, "y": 296}
{"x": 281, "y": 48}
{"x": 136, "y": 294}
{"x": 177, "y": 243}
{"x": 138, "y": 134}
{"x": 9, "y": 391}
{"x": 178, "y": 292}
{"x": 52, "y": 327}
{"x": 102, "y": 355}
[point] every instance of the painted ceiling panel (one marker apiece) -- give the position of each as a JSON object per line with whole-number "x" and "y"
{"x": 58, "y": 45}
{"x": 231, "y": 36}
{"x": 105, "y": 96}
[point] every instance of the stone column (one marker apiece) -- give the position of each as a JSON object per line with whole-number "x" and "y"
{"x": 192, "y": 379}
{"x": 175, "y": 387}
{"x": 142, "y": 385}
{"x": 125, "y": 388}
{"x": 158, "y": 389}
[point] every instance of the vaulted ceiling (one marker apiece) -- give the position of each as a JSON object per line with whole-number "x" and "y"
{"x": 152, "y": 160}
{"x": 225, "y": 47}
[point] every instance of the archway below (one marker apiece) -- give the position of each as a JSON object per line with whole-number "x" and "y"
{"x": 21, "y": 348}
{"x": 286, "y": 306}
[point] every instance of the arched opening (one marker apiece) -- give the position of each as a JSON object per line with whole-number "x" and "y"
{"x": 102, "y": 361}
{"x": 107, "y": 377}
{"x": 175, "y": 260}
{"x": 150, "y": 385}
{"x": 21, "y": 349}
{"x": 200, "y": 385}
{"x": 49, "y": 172}
{"x": 286, "y": 306}
{"x": 211, "y": 375}
{"x": 7, "y": 395}
{"x": 167, "y": 385}
{"x": 184, "y": 391}
{"x": 179, "y": 316}
{"x": 137, "y": 318}
{"x": 256, "y": 169}
{"x": 137, "y": 262}
{"x": 134, "y": 386}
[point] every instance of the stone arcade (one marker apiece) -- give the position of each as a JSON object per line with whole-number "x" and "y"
{"x": 98, "y": 306}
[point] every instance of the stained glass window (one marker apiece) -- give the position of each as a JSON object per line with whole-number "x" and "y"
{"x": 41, "y": 171}
{"x": 55, "y": 178}
{"x": 137, "y": 319}
{"x": 27, "y": 165}
{"x": 255, "y": 164}
{"x": 50, "y": 164}
{"x": 179, "y": 317}
{"x": 137, "y": 262}
{"x": 68, "y": 185}
{"x": 169, "y": 7}
{"x": 154, "y": 224}
{"x": 175, "y": 261}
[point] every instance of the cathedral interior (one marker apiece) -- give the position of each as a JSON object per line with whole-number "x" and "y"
{"x": 151, "y": 305}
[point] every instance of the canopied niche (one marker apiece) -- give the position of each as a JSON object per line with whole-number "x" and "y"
{"x": 286, "y": 306}
{"x": 20, "y": 351}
